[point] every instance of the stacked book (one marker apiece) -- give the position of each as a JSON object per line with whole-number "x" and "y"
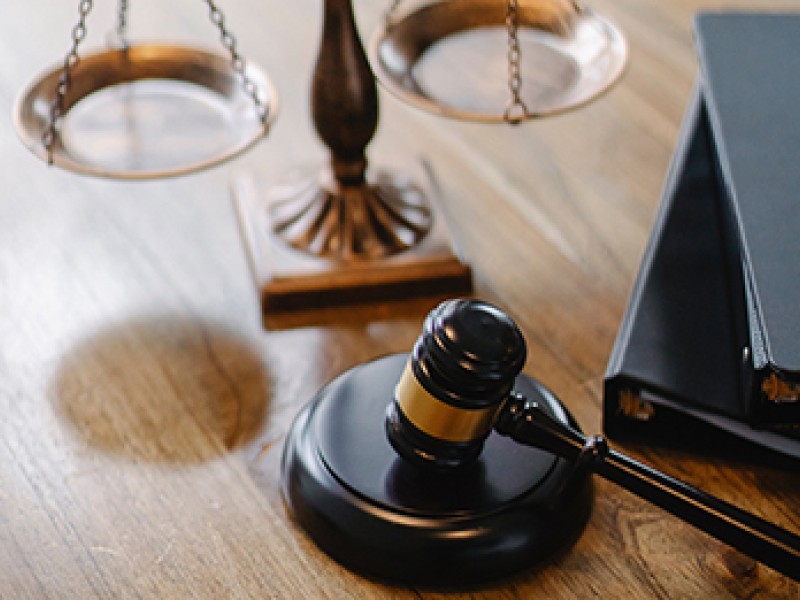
{"x": 711, "y": 334}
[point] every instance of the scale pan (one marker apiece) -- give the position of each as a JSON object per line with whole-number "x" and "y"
{"x": 452, "y": 57}
{"x": 147, "y": 111}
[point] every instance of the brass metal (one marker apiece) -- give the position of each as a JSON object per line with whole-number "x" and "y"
{"x": 362, "y": 221}
{"x": 515, "y": 111}
{"x": 450, "y": 57}
{"x": 780, "y": 391}
{"x": 147, "y": 111}
{"x": 438, "y": 419}
{"x": 349, "y": 216}
{"x": 346, "y": 234}
{"x": 294, "y": 285}
{"x": 633, "y": 406}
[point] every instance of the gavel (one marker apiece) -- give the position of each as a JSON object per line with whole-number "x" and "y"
{"x": 457, "y": 408}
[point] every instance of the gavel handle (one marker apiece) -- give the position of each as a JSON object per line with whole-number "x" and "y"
{"x": 524, "y": 421}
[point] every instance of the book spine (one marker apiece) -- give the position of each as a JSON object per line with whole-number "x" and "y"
{"x": 623, "y": 407}
{"x": 734, "y": 267}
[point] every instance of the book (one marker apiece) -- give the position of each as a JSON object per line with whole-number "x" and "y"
{"x": 697, "y": 341}
{"x": 750, "y": 69}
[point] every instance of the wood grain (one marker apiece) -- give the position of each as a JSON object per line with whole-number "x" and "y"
{"x": 144, "y": 406}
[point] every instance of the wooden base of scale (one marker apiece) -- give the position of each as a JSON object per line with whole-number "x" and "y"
{"x": 295, "y": 285}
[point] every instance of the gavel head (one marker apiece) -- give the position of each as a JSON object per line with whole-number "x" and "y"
{"x": 462, "y": 367}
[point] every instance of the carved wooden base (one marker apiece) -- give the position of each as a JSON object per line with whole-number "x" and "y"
{"x": 292, "y": 280}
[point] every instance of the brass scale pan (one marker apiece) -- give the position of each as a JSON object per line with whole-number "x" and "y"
{"x": 448, "y": 57}
{"x": 146, "y": 111}
{"x": 161, "y": 110}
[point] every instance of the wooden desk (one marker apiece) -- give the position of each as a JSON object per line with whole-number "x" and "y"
{"x": 144, "y": 407}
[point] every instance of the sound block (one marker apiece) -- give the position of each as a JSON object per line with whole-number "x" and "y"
{"x": 380, "y": 516}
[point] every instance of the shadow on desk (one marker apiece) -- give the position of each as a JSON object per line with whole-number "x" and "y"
{"x": 163, "y": 389}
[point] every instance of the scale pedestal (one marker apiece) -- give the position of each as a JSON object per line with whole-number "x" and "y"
{"x": 344, "y": 236}
{"x": 293, "y": 280}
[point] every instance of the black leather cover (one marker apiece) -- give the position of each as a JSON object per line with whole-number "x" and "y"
{"x": 715, "y": 309}
{"x": 750, "y": 67}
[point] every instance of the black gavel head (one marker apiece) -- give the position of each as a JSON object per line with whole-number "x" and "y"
{"x": 462, "y": 368}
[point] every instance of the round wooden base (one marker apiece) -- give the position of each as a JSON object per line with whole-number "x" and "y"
{"x": 378, "y": 515}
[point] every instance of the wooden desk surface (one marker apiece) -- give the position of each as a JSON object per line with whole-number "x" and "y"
{"x": 144, "y": 407}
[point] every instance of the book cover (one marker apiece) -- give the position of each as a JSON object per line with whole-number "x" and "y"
{"x": 750, "y": 72}
{"x": 678, "y": 358}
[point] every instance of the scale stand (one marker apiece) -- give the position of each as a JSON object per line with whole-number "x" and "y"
{"x": 344, "y": 236}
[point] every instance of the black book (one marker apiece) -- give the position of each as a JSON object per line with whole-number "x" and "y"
{"x": 696, "y": 344}
{"x": 750, "y": 65}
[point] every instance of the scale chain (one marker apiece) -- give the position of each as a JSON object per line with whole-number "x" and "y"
{"x": 516, "y": 111}
{"x": 237, "y": 62}
{"x": 65, "y": 79}
{"x": 122, "y": 24}
{"x": 72, "y": 58}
